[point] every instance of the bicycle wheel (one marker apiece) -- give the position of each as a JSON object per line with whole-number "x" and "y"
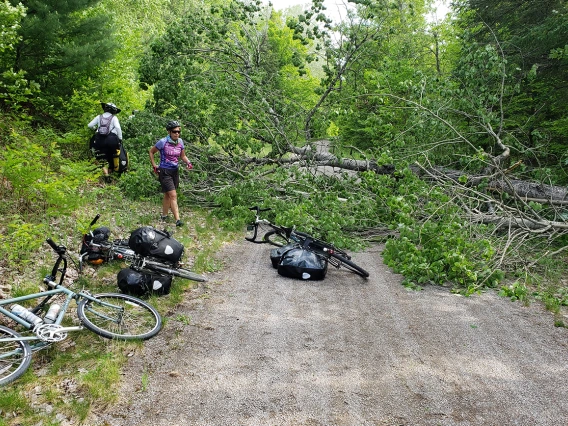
{"x": 187, "y": 274}
{"x": 176, "y": 272}
{"x": 179, "y": 272}
{"x": 119, "y": 316}
{"x": 275, "y": 238}
{"x": 15, "y": 356}
{"x": 350, "y": 265}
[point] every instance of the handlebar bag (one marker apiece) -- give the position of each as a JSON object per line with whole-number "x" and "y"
{"x": 95, "y": 254}
{"x": 298, "y": 262}
{"x": 147, "y": 241}
{"x": 138, "y": 283}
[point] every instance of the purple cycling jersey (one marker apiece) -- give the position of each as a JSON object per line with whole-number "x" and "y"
{"x": 169, "y": 153}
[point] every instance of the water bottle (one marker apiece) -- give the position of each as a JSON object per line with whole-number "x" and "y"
{"x": 25, "y": 314}
{"x": 51, "y": 314}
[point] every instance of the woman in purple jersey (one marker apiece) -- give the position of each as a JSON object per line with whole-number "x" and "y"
{"x": 171, "y": 149}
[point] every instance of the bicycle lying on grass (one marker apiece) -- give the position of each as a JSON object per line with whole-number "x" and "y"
{"x": 110, "y": 315}
{"x": 120, "y": 250}
{"x": 263, "y": 231}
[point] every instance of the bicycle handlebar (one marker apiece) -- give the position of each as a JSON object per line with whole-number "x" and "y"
{"x": 94, "y": 220}
{"x": 60, "y": 250}
{"x": 51, "y": 243}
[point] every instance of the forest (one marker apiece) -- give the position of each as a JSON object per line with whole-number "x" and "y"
{"x": 446, "y": 138}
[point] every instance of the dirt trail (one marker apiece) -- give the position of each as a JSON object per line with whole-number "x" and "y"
{"x": 254, "y": 348}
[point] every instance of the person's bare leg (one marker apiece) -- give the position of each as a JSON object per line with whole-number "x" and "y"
{"x": 172, "y": 196}
{"x": 165, "y": 204}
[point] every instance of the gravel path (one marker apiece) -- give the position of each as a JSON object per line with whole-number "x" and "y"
{"x": 254, "y": 348}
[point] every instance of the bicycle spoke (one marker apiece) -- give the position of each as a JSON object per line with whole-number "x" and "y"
{"x": 15, "y": 356}
{"x": 119, "y": 316}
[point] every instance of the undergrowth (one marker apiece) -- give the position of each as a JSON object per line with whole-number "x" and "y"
{"x": 50, "y": 193}
{"x": 71, "y": 377}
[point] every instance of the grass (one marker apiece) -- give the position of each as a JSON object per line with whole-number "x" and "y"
{"x": 73, "y": 376}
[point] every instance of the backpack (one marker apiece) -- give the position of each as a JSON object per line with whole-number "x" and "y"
{"x": 104, "y": 125}
{"x": 120, "y": 160}
{"x": 297, "y": 262}
{"x": 147, "y": 241}
{"x": 139, "y": 283}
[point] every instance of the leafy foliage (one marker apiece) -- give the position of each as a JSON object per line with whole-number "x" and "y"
{"x": 15, "y": 89}
{"x": 231, "y": 77}
{"x": 532, "y": 37}
{"x": 38, "y": 183}
{"x": 60, "y": 45}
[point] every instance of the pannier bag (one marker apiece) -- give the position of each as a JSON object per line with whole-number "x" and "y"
{"x": 100, "y": 143}
{"x": 148, "y": 241}
{"x": 95, "y": 255}
{"x": 276, "y": 254}
{"x": 298, "y": 262}
{"x": 120, "y": 160}
{"x": 140, "y": 283}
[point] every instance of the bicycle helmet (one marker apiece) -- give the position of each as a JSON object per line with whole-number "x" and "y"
{"x": 172, "y": 125}
{"x": 110, "y": 107}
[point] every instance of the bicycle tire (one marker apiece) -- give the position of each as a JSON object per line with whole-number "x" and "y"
{"x": 178, "y": 272}
{"x": 15, "y": 357}
{"x": 139, "y": 320}
{"x": 275, "y": 238}
{"x": 349, "y": 264}
{"x": 152, "y": 265}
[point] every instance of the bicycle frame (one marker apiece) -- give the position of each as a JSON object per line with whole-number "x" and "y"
{"x": 56, "y": 289}
{"x": 283, "y": 231}
{"x": 70, "y": 295}
{"x": 320, "y": 248}
{"x": 111, "y": 251}
{"x": 109, "y": 315}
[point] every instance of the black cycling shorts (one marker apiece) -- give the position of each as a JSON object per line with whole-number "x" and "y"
{"x": 169, "y": 179}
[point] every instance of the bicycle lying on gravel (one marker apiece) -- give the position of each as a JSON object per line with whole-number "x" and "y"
{"x": 110, "y": 315}
{"x": 108, "y": 251}
{"x": 263, "y": 231}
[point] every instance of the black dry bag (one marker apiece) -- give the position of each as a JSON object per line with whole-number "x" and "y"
{"x": 148, "y": 241}
{"x": 139, "y": 283}
{"x": 298, "y": 262}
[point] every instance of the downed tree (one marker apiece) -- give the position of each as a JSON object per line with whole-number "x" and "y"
{"x": 529, "y": 191}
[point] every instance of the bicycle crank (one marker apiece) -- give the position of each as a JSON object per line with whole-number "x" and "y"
{"x": 50, "y": 332}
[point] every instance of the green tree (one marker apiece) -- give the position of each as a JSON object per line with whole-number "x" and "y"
{"x": 235, "y": 77}
{"x": 61, "y": 45}
{"x": 532, "y": 37}
{"x": 14, "y": 88}
{"x": 398, "y": 59}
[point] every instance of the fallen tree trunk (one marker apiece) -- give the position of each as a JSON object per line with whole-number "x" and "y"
{"x": 527, "y": 191}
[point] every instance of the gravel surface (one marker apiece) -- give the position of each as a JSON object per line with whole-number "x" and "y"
{"x": 253, "y": 348}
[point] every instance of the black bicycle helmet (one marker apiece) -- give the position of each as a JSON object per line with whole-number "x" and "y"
{"x": 110, "y": 107}
{"x": 172, "y": 125}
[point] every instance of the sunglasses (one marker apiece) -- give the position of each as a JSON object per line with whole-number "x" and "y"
{"x": 176, "y": 131}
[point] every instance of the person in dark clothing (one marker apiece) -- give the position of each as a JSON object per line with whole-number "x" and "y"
{"x": 108, "y": 136}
